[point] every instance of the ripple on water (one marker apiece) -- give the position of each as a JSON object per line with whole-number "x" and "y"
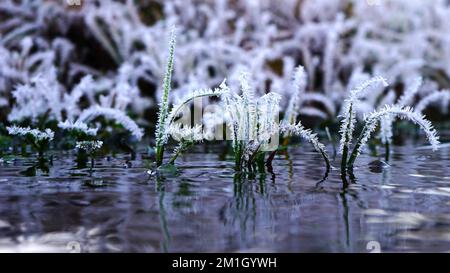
{"x": 120, "y": 207}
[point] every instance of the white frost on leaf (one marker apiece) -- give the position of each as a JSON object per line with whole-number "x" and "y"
{"x": 78, "y": 126}
{"x": 89, "y": 146}
{"x": 38, "y": 135}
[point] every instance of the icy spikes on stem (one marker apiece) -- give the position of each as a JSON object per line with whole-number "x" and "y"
{"x": 190, "y": 97}
{"x": 181, "y": 133}
{"x": 267, "y": 113}
{"x": 349, "y": 116}
{"x": 160, "y": 134}
{"x": 252, "y": 121}
{"x": 386, "y": 122}
{"x": 308, "y": 135}
{"x": 89, "y": 146}
{"x": 298, "y": 84}
{"x": 404, "y": 112}
{"x": 248, "y": 99}
{"x": 386, "y": 132}
{"x": 186, "y": 136}
{"x": 250, "y": 149}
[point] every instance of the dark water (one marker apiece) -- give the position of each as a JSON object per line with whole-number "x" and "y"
{"x": 405, "y": 207}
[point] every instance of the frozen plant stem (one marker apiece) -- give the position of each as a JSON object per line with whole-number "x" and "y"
{"x": 186, "y": 137}
{"x": 164, "y": 105}
{"x": 347, "y": 143}
{"x": 349, "y": 117}
{"x": 39, "y": 140}
{"x": 183, "y": 146}
{"x": 308, "y": 135}
{"x": 238, "y": 149}
{"x": 90, "y": 147}
{"x": 395, "y": 111}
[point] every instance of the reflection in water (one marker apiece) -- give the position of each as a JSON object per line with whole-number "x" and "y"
{"x": 162, "y": 213}
{"x": 243, "y": 205}
{"x": 345, "y": 217}
{"x": 40, "y": 167}
{"x": 202, "y": 206}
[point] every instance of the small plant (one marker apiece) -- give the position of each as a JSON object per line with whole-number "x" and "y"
{"x": 90, "y": 147}
{"x": 39, "y": 140}
{"x": 187, "y": 137}
{"x": 160, "y": 134}
{"x": 252, "y": 122}
{"x": 349, "y": 117}
{"x": 371, "y": 121}
{"x": 166, "y": 120}
{"x": 254, "y": 126}
{"x": 184, "y": 134}
{"x": 84, "y": 140}
{"x": 392, "y": 111}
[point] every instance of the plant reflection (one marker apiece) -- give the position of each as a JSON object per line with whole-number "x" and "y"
{"x": 160, "y": 188}
{"x": 42, "y": 165}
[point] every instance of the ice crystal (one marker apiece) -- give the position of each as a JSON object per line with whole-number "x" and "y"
{"x": 308, "y": 135}
{"x": 38, "y": 135}
{"x": 89, "y": 146}
{"x": 403, "y": 112}
{"x": 349, "y": 114}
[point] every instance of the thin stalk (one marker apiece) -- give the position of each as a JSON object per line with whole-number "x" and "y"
{"x": 238, "y": 156}
{"x": 184, "y": 145}
{"x": 344, "y": 160}
{"x": 250, "y": 162}
{"x": 402, "y": 112}
{"x": 173, "y": 158}
{"x": 345, "y": 148}
{"x": 309, "y": 136}
{"x": 354, "y": 153}
{"x": 164, "y": 106}
{"x": 326, "y": 159}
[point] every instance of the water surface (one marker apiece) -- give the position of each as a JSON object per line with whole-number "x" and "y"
{"x": 401, "y": 208}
